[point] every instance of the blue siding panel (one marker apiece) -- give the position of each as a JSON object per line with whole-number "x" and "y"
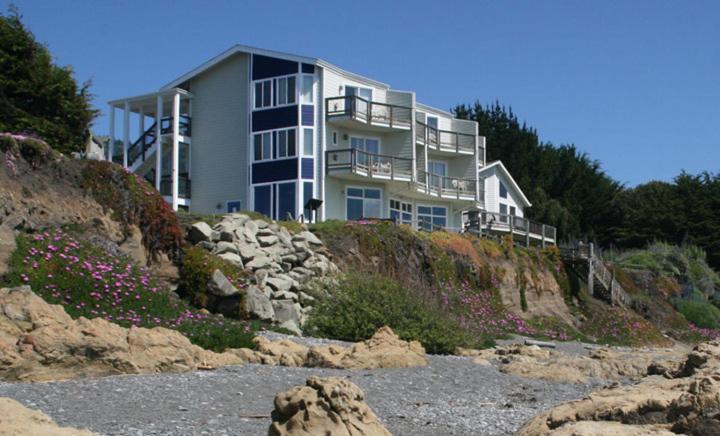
{"x": 308, "y": 68}
{"x": 276, "y": 118}
{"x": 307, "y": 168}
{"x": 264, "y": 66}
{"x": 308, "y": 115}
{"x": 273, "y": 171}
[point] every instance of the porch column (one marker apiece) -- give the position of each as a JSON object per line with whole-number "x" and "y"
{"x": 141, "y": 124}
{"x": 111, "y": 145}
{"x": 175, "y": 150}
{"x": 158, "y": 142}
{"x": 126, "y": 133}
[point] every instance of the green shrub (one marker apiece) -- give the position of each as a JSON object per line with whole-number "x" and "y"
{"x": 90, "y": 282}
{"x": 361, "y": 304}
{"x": 197, "y": 268}
{"x": 699, "y": 312}
{"x": 134, "y": 201}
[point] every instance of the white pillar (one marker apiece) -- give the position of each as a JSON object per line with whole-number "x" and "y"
{"x": 111, "y": 145}
{"x": 126, "y": 133}
{"x": 175, "y": 150}
{"x": 158, "y": 142}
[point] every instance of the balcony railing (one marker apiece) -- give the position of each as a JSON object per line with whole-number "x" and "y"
{"x": 184, "y": 185}
{"x": 368, "y": 164}
{"x": 447, "y": 187}
{"x": 140, "y": 147}
{"x": 368, "y": 112}
{"x": 489, "y": 222}
{"x": 445, "y": 140}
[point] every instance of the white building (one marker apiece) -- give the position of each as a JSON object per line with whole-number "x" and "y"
{"x": 267, "y": 131}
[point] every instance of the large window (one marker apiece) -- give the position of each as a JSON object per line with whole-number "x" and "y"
{"x": 276, "y": 200}
{"x": 285, "y": 143}
{"x": 263, "y": 94}
{"x": 307, "y": 89}
{"x": 437, "y": 171}
{"x": 263, "y": 200}
{"x": 263, "y": 146}
{"x": 363, "y": 203}
{"x": 503, "y": 190}
{"x": 432, "y": 217}
{"x": 401, "y": 212}
{"x": 286, "y": 90}
{"x": 286, "y": 201}
{"x": 365, "y": 93}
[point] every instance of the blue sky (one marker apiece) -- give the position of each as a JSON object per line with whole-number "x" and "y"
{"x": 635, "y": 84}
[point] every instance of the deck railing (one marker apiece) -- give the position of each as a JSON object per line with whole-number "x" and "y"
{"x": 490, "y": 222}
{"x": 140, "y": 147}
{"x": 184, "y": 185}
{"x": 369, "y": 164}
{"x": 444, "y": 139}
{"x": 368, "y": 111}
{"x": 446, "y": 187}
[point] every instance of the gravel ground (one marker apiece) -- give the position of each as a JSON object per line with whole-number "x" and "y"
{"x": 449, "y": 396}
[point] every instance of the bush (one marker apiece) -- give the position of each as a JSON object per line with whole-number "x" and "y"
{"x": 38, "y": 96}
{"x": 361, "y": 304}
{"x": 197, "y": 268}
{"x": 134, "y": 201}
{"x": 91, "y": 282}
{"x": 699, "y": 312}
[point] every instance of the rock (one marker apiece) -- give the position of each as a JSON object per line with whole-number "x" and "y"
{"x": 266, "y": 232}
{"x": 259, "y": 262}
{"x": 251, "y": 227}
{"x": 285, "y": 295}
{"x": 132, "y": 246}
{"x": 288, "y": 314}
{"x": 206, "y": 245}
{"x": 226, "y": 247}
{"x": 305, "y": 299}
{"x": 285, "y": 237}
{"x": 266, "y": 241}
{"x": 233, "y": 258}
{"x": 40, "y": 342}
{"x": 325, "y": 406}
{"x": 200, "y": 231}
{"x": 261, "y": 277}
{"x": 220, "y": 286}
{"x": 280, "y": 283}
{"x": 215, "y": 236}
{"x": 309, "y": 237}
{"x": 15, "y": 419}
{"x": 247, "y": 251}
{"x": 261, "y": 224}
{"x": 7, "y": 247}
{"x": 258, "y": 305}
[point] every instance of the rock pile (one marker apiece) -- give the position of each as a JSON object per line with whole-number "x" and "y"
{"x": 384, "y": 350}
{"x": 282, "y": 264}
{"x": 15, "y": 419}
{"x": 685, "y": 399}
{"x": 40, "y": 342}
{"x": 603, "y": 363}
{"x": 324, "y": 406}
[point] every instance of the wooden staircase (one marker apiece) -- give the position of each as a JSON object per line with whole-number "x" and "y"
{"x": 601, "y": 281}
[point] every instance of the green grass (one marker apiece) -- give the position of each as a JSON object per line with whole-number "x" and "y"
{"x": 90, "y": 282}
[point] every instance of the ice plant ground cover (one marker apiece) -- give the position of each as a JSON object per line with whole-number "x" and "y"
{"x": 91, "y": 282}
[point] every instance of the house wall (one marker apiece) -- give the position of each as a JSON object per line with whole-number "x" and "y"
{"x": 219, "y": 136}
{"x": 492, "y": 194}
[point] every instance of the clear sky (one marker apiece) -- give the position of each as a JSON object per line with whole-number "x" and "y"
{"x": 635, "y": 84}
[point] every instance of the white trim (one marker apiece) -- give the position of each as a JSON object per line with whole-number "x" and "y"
{"x": 425, "y": 108}
{"x": 163, "y": 92}
{"x": 506, "y": 173}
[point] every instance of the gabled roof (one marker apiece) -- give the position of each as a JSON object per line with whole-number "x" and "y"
{"x": 238, "y": 48}
{"x": 513, "y": 184}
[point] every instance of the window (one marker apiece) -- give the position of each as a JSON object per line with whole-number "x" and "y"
{"x": 432, "y": 132}
{"x": 285, "y": 143}
{"x": 308, "y": 142}
{"x": 234, "y": 206}
{"x": 307, "y": 89}
{"x": 401, "y": 212}
{"x": 512, "y": 210}
{"x": 363, "y": 203}
{"x": 286, "y": 90}
{"x": 263, "y": 146}
{"x": 503, "y": 191}
{"x": 286, "y": 201}
{"x": 307, "y": 196}
{"x": 263, "y": 94}
{"x": 263, "y": 200}
{"x": 437, "y": 171}
{"x": 365, "y": 93}
{"x": 432, "y": 217}
{"x": 276, "y": 200}
{"x": 503, "y": 213}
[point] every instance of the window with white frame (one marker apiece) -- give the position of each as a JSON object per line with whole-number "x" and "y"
{"x": 365, "y": 93}
{"x": 263, "y": 94}
{"x": 285, "y": 143}
{"x": 363, "y": 203}
{"x": 262, "y": 146}
{"x": 307, "y": 89}
{"x": 308, "y": 142}
{"x": 286, "y": 90}
{"x": 401, "y": 211}
{"x": 432, "y": 217}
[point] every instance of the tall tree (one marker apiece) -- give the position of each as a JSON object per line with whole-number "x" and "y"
{"x": 37, "y": 96}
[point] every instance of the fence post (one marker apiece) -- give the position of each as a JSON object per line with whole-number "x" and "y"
{"x": 542, "y": 230}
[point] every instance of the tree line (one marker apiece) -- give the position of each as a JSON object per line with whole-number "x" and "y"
{"x": 572, "y": 192}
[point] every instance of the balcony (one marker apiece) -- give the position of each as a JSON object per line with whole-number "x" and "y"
{"x": 446, "y": 187}
{"x": 444, "y": 140}
{"x": 355, "y": 110}
{"x": 522, "y": 229}
{"x": 362, "y": 163}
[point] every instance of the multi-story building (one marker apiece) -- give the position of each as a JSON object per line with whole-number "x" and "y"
{"x": 268, "y": 131}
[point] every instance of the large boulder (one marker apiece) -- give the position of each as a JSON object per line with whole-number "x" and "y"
{"x": 258, "y": 305}
{"x": 200, "y": 231}
{"x": 324, "y": 406}
{"x": 40, "y": 342}
{"x": 288, "y": 314}
{"x": 16, "y": 419}
{"x": 220, "y": 286}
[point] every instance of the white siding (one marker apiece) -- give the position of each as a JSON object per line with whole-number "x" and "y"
{"x": 220, "y": 135}
{"x": 492, "y": 194}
